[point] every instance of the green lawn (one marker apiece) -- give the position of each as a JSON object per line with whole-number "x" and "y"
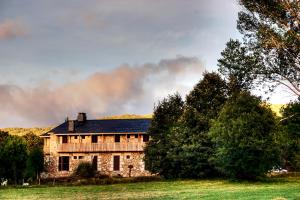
{"x": 187, "y": 189}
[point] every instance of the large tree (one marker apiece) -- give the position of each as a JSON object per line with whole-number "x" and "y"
{"x": 13, "y": 155}
{"x": 179, "y": 145}
{"x": 291, "y": 135}
{"x": 193, "y": 147}
{"x": 245, "y": 139}
{"x": 166, "y": 115}
{"x": 271, "y": 30}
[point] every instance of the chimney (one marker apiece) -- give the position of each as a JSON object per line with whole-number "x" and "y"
{"x": 81, "y": 117}
{"x": 71, "y": 126}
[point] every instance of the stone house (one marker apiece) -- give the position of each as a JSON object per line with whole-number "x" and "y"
{"x": 113, "y": 146}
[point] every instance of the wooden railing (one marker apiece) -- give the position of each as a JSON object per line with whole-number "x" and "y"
{"x": 100, "y": 147}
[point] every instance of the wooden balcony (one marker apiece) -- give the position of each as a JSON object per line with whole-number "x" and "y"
{"x": 46, "y": 150}
{"x": 100, "y": 147}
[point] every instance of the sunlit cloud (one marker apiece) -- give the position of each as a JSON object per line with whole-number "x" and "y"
{"x": 125, "y": 89}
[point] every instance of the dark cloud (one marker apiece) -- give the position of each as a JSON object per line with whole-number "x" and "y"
{"x": 125, "y": 89}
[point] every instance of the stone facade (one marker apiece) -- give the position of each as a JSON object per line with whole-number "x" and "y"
{"x": 128, "y": 149}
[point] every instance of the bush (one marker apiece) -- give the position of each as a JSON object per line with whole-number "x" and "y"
{"x": 84, "y": 170}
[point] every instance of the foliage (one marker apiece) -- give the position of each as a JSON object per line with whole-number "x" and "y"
{"x": 13, "y": 155}
{"x": 183, "y": 148}
{"x": 271, "y": 32}
{"x": 291, "y": 139}
{"x": 84, "y": 170}
{"x": 33, "y": 141}
{"x": 192, "y": 147}
{"x": 245, "y": 139}
{"x": 35, "y": 162}
{"x": 236, "y": 65}
{"x": 166, "y": 115}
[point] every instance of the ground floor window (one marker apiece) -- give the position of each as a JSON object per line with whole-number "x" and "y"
{"x": 63, "y": 163}
{"x": 116, "y": 163}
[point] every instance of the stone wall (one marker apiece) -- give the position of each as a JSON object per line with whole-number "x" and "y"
{"x": 104, "y": 164}
{"x": 104, "y": 159}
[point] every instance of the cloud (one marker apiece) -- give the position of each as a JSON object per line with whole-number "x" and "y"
{"x": 125, "y": 89}
{"x": 11, "y": 29}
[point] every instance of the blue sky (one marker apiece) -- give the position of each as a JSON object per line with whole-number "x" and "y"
{"x": 104, "y": 57}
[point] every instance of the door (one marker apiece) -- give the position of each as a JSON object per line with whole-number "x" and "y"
{"x": 95, "y": 162}
{"x": 116, "y": 163}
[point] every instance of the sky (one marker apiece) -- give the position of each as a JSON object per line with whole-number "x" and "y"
{"x": 58, "y": 58}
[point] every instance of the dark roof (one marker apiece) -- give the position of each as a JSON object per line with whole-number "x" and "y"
{"x": 105, "y": 126}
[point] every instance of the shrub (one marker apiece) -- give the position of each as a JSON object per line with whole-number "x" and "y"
{"x": 84, "y": 170}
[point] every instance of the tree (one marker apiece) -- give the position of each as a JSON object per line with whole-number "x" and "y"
{"x": 166, "y": 115}
{"x": 3, "y": 137}
{"x": 35, "y": 162}
{"x": 244, "y": 137}
{"x": 193, "y": 147}
{"x": 179, "y": 145}
{"x": 33, "y": 141}
{"x": 14, "y": 156}
{"x": 291, "y": 140}
{"x": 271, "y": 30}
{"x": 237, "y": 66}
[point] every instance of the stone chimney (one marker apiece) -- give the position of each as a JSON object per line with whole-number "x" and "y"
{"x": 71, "y": 126}
{"x": 81, "y": 117}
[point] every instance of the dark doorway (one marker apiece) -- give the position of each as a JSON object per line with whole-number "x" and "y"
{"x": 116, "y": 163}
{"x": 95, "y": 163}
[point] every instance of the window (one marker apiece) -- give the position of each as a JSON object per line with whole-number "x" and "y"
{"x": 63, "y": 163}
{"x": 80, "y": 157}
{"x": 64, "y": 139}
{"x": 128, "y": 136}
{"x": 75, "y": 137}
{"x": 136, "y": 135}
{"x": 116, "y": 163}
{"x": 117, "y": 138}
{"x": 145, "y": 138}
{"x": 94, "y": 139}
{"x": 75, "y": 157}
{"x": 82, "y": 137}
{"x": 128, "y": 157}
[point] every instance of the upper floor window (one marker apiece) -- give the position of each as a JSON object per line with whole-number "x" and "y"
{"x": 136, "y": 135}
{"x": 75, "y": 137}
{"x": 117, "y": 138}
{"x": 145, "y": 138}
{"x": 94, "y": 139}
{"x": 64, "y": 139}
{"x": 83, "y": 137}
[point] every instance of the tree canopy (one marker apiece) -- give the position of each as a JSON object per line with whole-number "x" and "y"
{"x": 270, "y": 52}
{"x": 244, "y": 137}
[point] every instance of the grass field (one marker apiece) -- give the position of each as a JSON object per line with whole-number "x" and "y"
{"x": 186, "y": 189}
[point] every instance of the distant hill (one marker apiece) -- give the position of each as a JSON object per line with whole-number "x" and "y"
{"x": 24, "y": 131}
{"x": 128, "y": 116}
